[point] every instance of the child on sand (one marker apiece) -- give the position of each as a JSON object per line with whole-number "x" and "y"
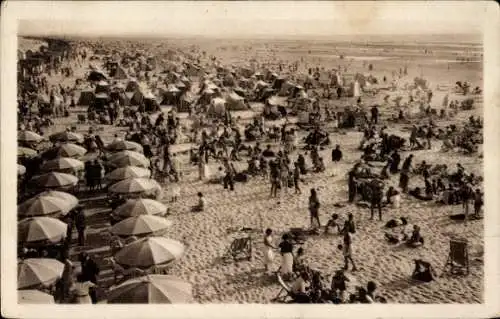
{"x": 201, "y": 203}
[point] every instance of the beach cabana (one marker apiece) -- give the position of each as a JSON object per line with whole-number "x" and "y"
{"x": 86, "y": 98}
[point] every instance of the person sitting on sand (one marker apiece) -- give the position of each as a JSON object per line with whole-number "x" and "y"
{"x": 338, "y": 286}
{"x": 415, "y": 239}
{"x": 336, "y": 154}
{"x": 314, "y": 206}
{"x": 299, "y": 289}
{"x": 393, "y": 197}
{"x": 332, "y": 223}
{"x": 200, "y": 207}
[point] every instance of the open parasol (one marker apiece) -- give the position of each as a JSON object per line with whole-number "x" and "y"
{"x": 44, "y": 205}
{"x": 125, "y": 172}
{"x": 66, "y": 136}
{"x": 28, "y": 136}
{"x": 32, "y": 272}
{"x": 125, "y": 145}
{"x": 134, "y": 185}
{"x": 141, "y": 206}
{"x": 39, "y": 229}
{"x": 152, "y": 289}
{"x": 62, "y": 163}
{"x": 140, "y": 225}
{"x": 150, "y": 251}
{"x": 31, "y": 296}
{"x": 54, "y": 179}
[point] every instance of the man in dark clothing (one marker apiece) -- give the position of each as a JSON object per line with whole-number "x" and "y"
{"x": 374, "y": 112}
{"x": 90, "y": 271}
{"x": 352, "y": 186}
{"x": 396, "y": 158}
{"x": 407, "y": 164}
{"x": 376, "y": 201}
{"x": 404, "y": 180}
{"x": 336, "y": 154}
{"x": 80, "y": 225}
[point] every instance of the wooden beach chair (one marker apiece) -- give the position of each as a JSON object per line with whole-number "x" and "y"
{"x": 458, "y": 258}
{"x": 285, "y": 292}
{"x": 240, "y": 248}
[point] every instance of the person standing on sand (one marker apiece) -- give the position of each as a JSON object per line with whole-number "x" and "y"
{"x": 286, "y": 249}
{"x": 268, "y": 249}
{"x": 296, "y": 178}
{"x": 347, "y": 251}
{"x": 314, "y": 210}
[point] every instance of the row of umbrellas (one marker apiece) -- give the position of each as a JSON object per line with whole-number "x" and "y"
{"x": 35, "y": 272}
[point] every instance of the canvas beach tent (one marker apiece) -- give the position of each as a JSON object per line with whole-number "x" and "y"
{"x": 86, "y": 97}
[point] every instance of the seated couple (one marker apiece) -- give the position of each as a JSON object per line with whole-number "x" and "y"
{"x": 412, "y": 240}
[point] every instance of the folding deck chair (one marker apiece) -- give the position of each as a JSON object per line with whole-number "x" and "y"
{"x": 240, "y": 248}
{"x": 285, "y": 292}
{"x": 458, "y": 258}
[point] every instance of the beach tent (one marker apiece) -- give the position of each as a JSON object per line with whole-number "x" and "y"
{"x": 186, "y": 100}
{"x": 86, "y": 98}
{"x": 96, "y": 75}
{"x": 119, "y": 73}
{"x": 217, "y": 107}
{"x": 132, "y": 86}
{"x": 235, "y": 102}
{"x": 285, "y": 88}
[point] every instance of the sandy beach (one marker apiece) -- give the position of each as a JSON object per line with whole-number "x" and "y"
{"x": 207, "y": 235}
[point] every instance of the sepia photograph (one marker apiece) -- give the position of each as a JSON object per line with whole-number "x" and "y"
{"x": 307, "y": 154}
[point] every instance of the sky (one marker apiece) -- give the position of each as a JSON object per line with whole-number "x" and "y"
{"x": 251, "y": 18}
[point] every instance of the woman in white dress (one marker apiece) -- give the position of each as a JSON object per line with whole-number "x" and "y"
{"x": 268, "y": 249}
{"x": 81, "y": 290}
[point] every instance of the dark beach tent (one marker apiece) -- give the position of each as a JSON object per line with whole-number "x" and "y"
{"x": 95, "y": 76}
{"x": 86, "y": 98}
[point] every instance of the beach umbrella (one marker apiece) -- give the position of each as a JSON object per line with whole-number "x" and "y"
{"x": 134, "y": 185}
{"x": 28, "y": 136}
{"x": 41, "y": 229}
{"x": 150, "y": 251}
{"x": 71, "y": 200}
{"x": 20, "y": 170}
{"x": 38, "y": 271}
{"x": 54, "y": 179}
{"x": 140, "y": 206}
{"x": 91, "y": 156}
{"x": 140, "y": 225}
{"x": 43, "y": 205}
{"x": 128, "y": 158}
{"x": 125, "y": 145}
{"x": 122, "y": 173}
{"x": 62, "y": 163}
{"x": 66, "y": 136}
{"x": 70, "y": 150}
{"x": 26, "y": 152}
{"x": 152, "y": 289}
{"x": 31, "y": 296}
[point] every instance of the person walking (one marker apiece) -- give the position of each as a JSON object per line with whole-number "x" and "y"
{"x": 90, "y": 271}
{"x": 296, "y": 178}
{"x": 314, "y": 210}
{"x": 347, "y": 251}
{"x": 80, "y": 224}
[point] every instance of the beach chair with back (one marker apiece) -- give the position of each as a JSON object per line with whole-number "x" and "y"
{"x": 285, "y": 293}
{"x": 240, "y": 248}
{"x": 458, "y": 257}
